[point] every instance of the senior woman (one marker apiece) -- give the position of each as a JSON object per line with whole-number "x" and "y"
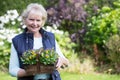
{"x": 34, "y": 37}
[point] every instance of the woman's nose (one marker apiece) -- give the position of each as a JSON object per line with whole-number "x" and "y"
{"x": 35, "y": 22}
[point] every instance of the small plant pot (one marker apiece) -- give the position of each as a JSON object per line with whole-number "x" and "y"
{"x": 47, "y": 68}
{"x": 39, "y": 68}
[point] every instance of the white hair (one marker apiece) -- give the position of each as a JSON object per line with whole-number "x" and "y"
{"x": 37, "y": 7}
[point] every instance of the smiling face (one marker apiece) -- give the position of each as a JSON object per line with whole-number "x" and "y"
{"x": 34, "y": 21}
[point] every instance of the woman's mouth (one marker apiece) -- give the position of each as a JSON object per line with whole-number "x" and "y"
{"x": 34, "y": 26}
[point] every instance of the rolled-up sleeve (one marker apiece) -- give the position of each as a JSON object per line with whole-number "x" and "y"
{"x": 13, "y": 63}
{"x": 58, "y": 50}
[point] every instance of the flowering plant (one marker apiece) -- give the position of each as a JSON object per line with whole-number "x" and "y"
{"x": 48, "y": 57}
{"x": 29, "y": 57}
{"x": 45, "y": 57}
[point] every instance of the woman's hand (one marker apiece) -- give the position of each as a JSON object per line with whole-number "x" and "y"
{"x": 21, "y": 73}
{"x": 62, "y": 62}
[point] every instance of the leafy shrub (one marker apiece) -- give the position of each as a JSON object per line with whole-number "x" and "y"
{"x": 103, "y": 26}
{"x": 9, "y": 23}
{"x": 113, "y": 49}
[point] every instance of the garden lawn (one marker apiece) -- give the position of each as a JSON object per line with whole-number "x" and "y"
{"x": 72, "y": 76}
{"x": 6, "y": 76}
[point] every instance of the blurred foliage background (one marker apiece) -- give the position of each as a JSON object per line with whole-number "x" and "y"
{"x": 87, "y": 31}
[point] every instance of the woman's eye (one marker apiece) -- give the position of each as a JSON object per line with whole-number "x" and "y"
{"x": 31, "y": 19}
{"x": 38, "y": 20}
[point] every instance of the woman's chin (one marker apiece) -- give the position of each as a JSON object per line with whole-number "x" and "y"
{"x": 34, "y": 31}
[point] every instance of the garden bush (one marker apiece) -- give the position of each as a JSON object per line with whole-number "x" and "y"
{"x": 113, "y": 51}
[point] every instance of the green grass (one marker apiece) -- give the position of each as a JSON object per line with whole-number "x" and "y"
{"x": 72, "y": 76}
{"x": 6, "y": 76}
